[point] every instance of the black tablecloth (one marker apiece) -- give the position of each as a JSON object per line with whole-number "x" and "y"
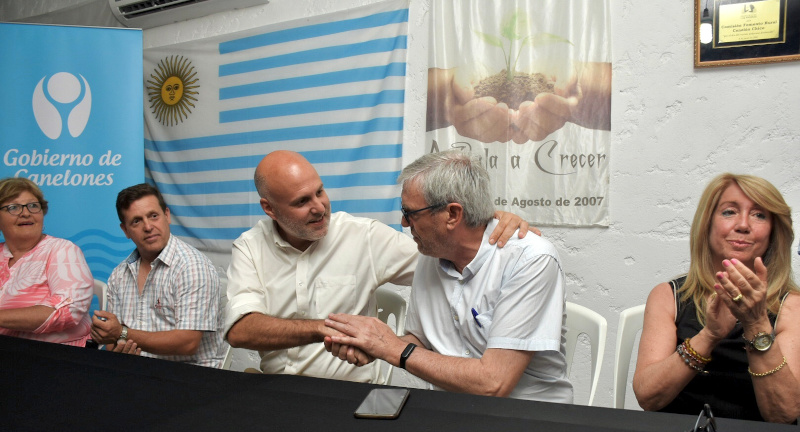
{"x": 54, "y": 387}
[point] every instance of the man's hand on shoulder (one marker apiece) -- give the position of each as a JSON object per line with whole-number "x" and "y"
{"x": 506, "y": 226}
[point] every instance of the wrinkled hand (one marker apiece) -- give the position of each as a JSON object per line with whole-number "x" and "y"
{"x": 105, "y": 332}
{"x": 127, "y": 347}
{"x": 751, "y": 309}
{"x": 535, "y": 120}
{"x": 585, "y": 100}
{"x": 347, "y": 353}
{"x": 483, "y": 119}
{"x": 369, "y": 334}
{"x": 591, "y": 88}
{"x": 452, "y": 92}
{"x": 719, "y": 320}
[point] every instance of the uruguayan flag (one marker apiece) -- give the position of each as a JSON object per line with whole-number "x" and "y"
{"x": 329, "y": 87}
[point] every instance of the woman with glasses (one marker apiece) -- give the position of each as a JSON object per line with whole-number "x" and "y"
{"x": 45, "y": 284}
{"x": 726, "y": 334}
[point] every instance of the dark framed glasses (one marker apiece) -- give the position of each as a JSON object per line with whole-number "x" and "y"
{"x": 16, "y": 209}
{"x": 407, "y": 213}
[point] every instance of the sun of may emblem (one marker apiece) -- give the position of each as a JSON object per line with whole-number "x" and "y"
{"x": 172, "y": 90}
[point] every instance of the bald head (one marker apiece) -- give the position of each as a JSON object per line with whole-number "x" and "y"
{"x": 292, "y": 195}
{"x": 280, "y": 164}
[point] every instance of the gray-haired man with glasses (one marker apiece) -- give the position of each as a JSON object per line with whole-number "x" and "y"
{"x": 481, "y": 319}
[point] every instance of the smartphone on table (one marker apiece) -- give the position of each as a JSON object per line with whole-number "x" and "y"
{"x": 382, "y": 403}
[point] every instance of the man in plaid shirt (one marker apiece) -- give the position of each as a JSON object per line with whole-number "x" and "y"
{"x": 163, "y": 300}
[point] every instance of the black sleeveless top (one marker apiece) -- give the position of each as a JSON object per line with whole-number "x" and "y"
{"x": 727, "y": 387}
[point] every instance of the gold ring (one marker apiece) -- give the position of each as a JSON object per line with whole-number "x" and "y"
{"x": 737, "y": 298}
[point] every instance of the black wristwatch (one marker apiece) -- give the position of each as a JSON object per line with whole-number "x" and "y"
{"x": 762, "y": 341}
{"x": 406, "y": 353}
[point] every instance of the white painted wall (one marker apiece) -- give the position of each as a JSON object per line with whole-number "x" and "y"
{"x": 673, "y": 128}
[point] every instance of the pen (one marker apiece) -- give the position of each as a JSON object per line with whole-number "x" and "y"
{"x": 475, "y": 317}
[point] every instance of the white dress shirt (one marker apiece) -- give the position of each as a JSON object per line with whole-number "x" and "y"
{"x": 337, "y": 274}
{"x": 517, "y": 293}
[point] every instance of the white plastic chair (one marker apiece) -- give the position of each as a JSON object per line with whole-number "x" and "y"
{"x": 101, "y": 291}
{"x": 391, "y": 303}
{"x": 582, "y": 320}
{"x": 631, "y": 321}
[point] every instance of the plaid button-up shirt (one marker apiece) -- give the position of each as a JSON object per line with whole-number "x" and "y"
{"x": 180, "y": 293}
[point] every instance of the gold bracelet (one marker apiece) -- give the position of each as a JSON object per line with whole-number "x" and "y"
{"x": 695, "y": 353}
{"x": 769, "y": 372}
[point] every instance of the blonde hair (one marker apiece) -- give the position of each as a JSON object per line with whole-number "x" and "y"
{"x": 701, "y": 278}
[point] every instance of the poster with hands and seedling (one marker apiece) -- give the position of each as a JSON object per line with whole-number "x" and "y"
{"x": 527, "y": 86}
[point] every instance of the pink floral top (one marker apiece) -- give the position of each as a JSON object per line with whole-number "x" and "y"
{"x": 54, "y": 274}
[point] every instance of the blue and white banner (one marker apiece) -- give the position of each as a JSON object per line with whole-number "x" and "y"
{"x": 72, "y": 123}
{"x": 330, "y": 87}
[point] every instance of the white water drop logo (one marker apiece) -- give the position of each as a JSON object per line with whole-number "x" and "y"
{"x": 64, "y": 89}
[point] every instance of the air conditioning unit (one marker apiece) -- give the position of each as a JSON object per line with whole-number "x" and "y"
{"x": 153, "y": 13}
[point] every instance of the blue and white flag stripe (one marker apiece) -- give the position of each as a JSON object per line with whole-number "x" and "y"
{"x": 331, "y": 182}
{"x": 314, "y": 106}
{"x": 331, "y": 87}
{"x": 319, "y": 156}
{"x": 380, "y": 19}
{"x": 312, "y": 81}
{"x": 263, "y": 136}
{"x": 315, "y": 55}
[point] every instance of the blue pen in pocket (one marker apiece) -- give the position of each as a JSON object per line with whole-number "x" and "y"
{"x": 475, "y": 317}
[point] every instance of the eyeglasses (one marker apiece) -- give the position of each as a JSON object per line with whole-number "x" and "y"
{"x": 16, "y": 209}
{"x": 407, "y": 213}
{"x": 710, "y": 424}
